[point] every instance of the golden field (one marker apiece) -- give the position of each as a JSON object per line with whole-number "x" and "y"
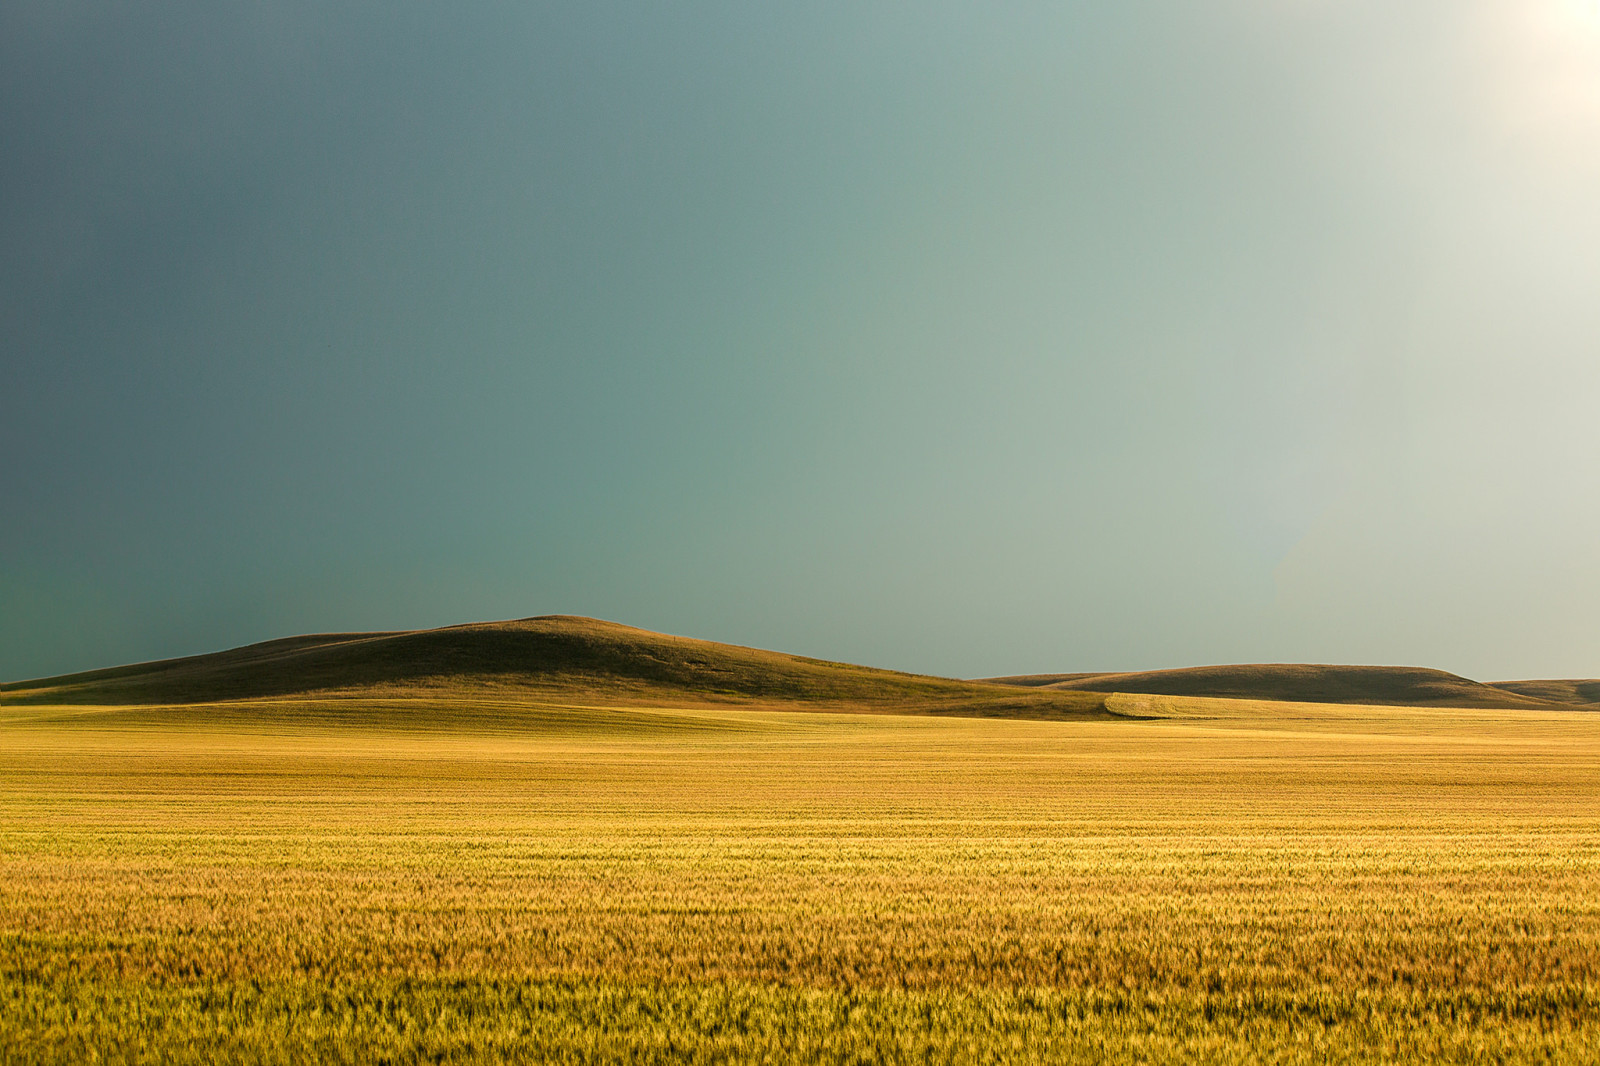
{"x": 424, "y": 880}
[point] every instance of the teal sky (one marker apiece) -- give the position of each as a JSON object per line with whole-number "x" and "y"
{"x": 959, "y": 338}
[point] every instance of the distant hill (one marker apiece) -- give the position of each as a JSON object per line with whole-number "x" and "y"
{"x": 1302, "y": 683}
{"x": 552, "y": 656}
{"x": 1579, "y": 692}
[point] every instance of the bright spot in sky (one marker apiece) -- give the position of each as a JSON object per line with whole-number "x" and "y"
{"x": 1587, "y": 11}
{"x": 1545, "y": 73}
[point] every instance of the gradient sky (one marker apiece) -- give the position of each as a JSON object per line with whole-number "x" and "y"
{"x": 960, "y": 338}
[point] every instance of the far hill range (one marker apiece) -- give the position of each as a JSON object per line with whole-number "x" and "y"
{"x": 565, "y": 657}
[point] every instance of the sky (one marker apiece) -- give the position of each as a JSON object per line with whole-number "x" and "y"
{"x": 969, "y": 339}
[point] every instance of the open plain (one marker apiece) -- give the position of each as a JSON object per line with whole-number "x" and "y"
{"x": 443, "y": 878}
{"x": 1163, "y": 433}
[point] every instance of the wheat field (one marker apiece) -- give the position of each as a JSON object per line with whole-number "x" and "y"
{"x": 1197, "y": 880}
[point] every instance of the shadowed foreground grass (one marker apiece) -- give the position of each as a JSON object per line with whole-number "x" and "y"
{"x": 587, "y": 1020}
{"x": 1215, "y": 881}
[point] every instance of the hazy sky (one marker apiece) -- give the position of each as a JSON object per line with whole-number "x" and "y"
{"x": 960, "y": 338}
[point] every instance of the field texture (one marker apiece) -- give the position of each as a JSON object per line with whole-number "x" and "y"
{"x": 1210, "y": 881}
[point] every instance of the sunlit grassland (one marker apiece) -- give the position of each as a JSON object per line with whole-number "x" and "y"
{"x": 1214, "y": 881}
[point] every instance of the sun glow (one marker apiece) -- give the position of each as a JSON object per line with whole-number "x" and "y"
{"x": 1586, "y": 12}
{"x": 1545, "y": 71}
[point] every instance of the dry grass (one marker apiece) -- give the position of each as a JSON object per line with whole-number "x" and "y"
{"x": 1212, "y": 881}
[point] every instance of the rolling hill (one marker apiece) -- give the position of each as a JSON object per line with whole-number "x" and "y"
{"x": 1304, "y": 683}
{"x": 554, "y": 656}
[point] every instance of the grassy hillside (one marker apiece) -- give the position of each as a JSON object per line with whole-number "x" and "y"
{"x": 1303, "y": 683}
{"x": 550, "y": 657}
